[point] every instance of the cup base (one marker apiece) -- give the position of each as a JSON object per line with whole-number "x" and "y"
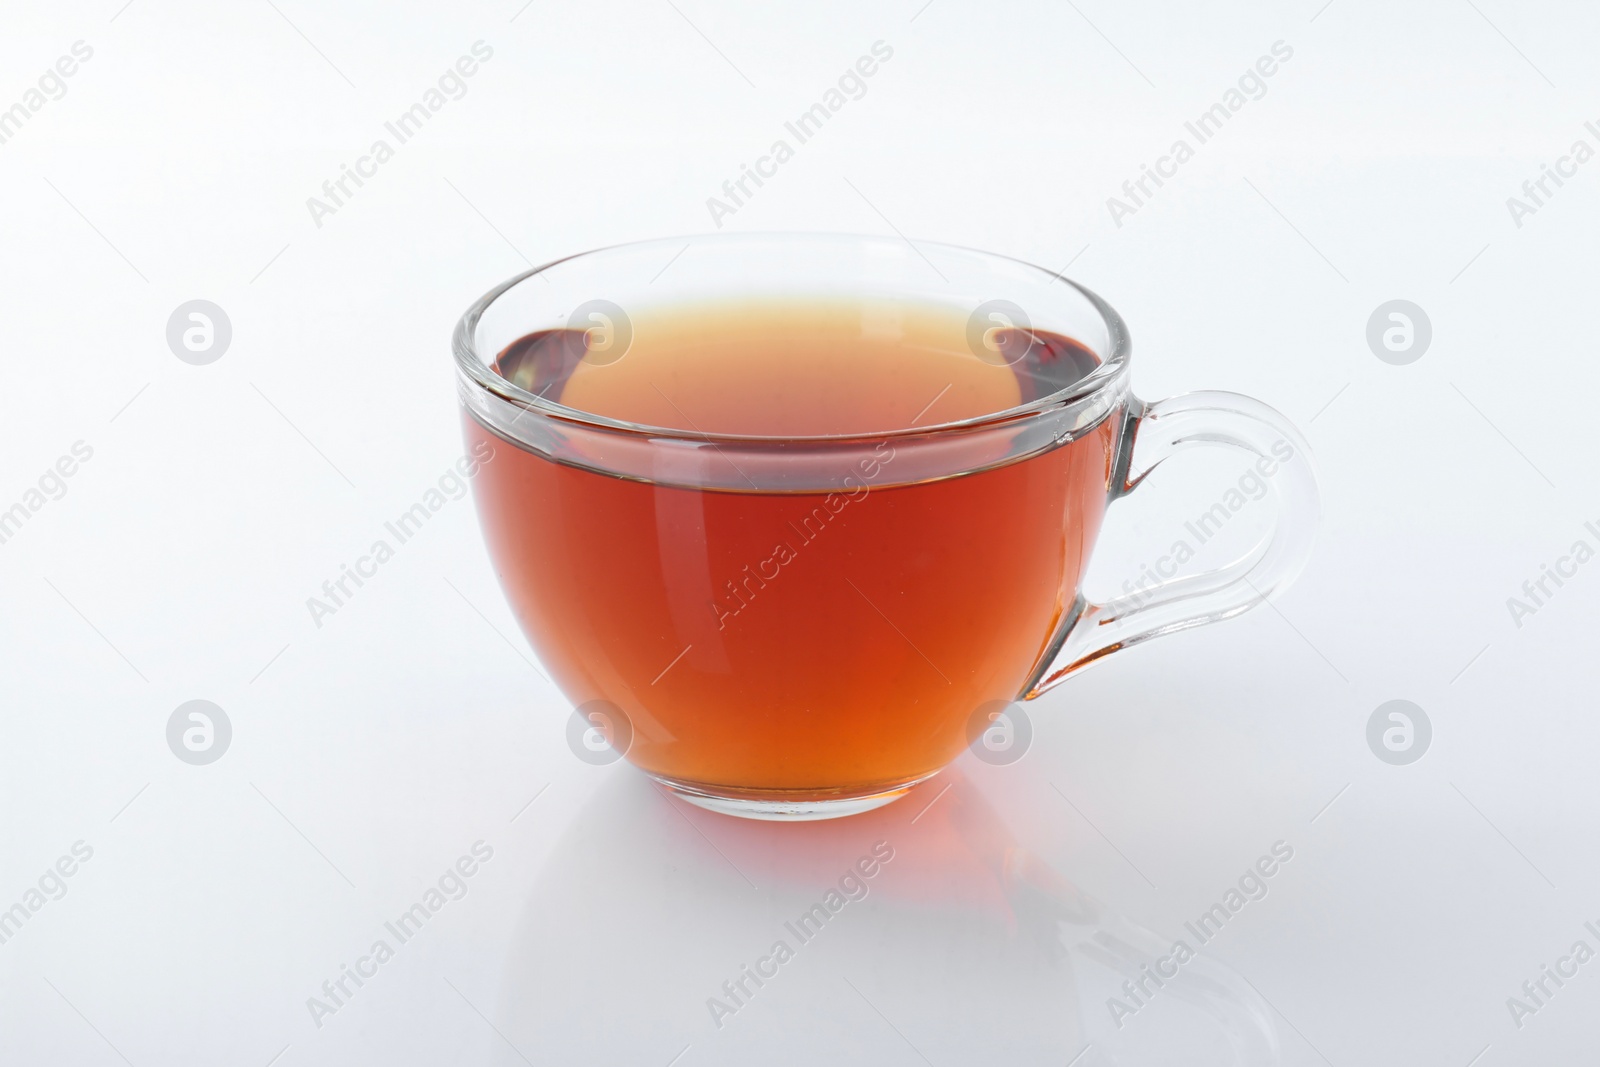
{"x": 779, "y": 805}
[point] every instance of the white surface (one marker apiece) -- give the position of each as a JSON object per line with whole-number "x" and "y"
{"x": 370, "y": 753}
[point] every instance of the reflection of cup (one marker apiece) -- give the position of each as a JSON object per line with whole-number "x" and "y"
{"x": 974, "y": 941}
{"x": 793, "y": 585}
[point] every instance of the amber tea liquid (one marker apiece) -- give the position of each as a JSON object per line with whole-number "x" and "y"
{"x": 823, "y": 643}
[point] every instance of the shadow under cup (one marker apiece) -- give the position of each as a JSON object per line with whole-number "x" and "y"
{"x": 721, "y": 520}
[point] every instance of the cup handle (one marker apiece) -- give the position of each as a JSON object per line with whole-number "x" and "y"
{"x": 1151, "y": 433}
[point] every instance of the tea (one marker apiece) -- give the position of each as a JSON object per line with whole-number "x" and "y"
{"x": 818, "y": 643}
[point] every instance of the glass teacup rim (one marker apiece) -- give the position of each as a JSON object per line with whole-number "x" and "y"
{"x": 1111, "y": 374}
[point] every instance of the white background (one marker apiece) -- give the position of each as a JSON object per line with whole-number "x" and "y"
{"x": 369, "y": 753}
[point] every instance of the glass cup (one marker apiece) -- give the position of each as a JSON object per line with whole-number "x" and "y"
{"x": 806, "y": 625}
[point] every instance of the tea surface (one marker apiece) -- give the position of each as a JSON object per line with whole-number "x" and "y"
{"x": 795, "y": 368}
